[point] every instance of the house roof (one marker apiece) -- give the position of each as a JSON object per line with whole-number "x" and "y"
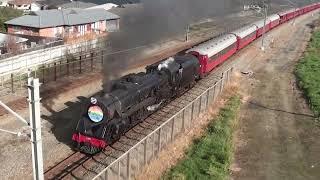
{"x": 76, "y": 4}
{"x": 64, "y": 17}
{"x": 117, "y": 2}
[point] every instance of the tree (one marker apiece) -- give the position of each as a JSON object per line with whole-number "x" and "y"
{"x": 6, "y": 14}
{"x": 12, "y": 45}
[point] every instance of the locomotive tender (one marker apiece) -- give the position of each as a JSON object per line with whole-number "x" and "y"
{"x": 135, "y": 96}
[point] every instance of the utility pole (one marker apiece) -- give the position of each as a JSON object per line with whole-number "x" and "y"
{"x": 264, "y": 25}
{"x": 187, "y": 32}
{"x": 35, "y": 123}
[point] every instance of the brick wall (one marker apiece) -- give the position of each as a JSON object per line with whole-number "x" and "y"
{"x": 53, "y": 31}
{"x": 23, "y": 30}
{"x": 47, "y": 32}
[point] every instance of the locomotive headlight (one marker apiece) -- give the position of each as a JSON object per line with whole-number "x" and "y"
{"x": 93, "y": 100}
{"x": 95, "y": 113}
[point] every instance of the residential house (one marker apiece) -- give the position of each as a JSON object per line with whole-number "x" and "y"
{"x": 75, "y": 4}
{"x": 24, "y": 5}
{"x": 65, "y": 22}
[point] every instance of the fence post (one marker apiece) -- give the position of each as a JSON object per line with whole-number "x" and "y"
{"x": 102, "y": 57}
{"x": 60, "y": 68}
{"x": 73, "y": 65}
{"x": 192, "y": 109}
{"x": 43, "y": 74}
{"x": 119, "y": 170}
{"x": 214, "y": 91}
{"x": 172, "y": 128}
{"x": 228, "y": 76}
{"x": 91, "y": 61}
{"x": 80, "y": 64}
{"x": 152, "y": 148}
{"x": 35, "y": 123}
{"x": 200, "y": 104}
{"x": 207, "y": 101}
{"x": 159, "y": 140}
{"x": 183, "y": 121}
{"x": 68, "y": 67}
{"x": 20, "y": 82}
{"x": 12, "y": 85}
{"x": 145, "y": 151}
{"x": 106, "y": 174}
{"x": 221, "y": 83}
{"x": 128, "y": 166}
{"x": 55, "y": 71}
{"x": 137, "y": 157}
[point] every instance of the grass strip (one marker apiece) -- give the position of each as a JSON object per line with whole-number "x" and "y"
{"x": 210, "y": 156}
{"x": 308, "y": 73}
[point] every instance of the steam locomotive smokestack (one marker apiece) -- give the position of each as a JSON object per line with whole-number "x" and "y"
{"x": 155, "y": 20}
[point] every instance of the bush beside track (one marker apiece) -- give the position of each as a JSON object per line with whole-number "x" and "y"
{"x": 308, "y": 73}
{"x": 210, "y": 156}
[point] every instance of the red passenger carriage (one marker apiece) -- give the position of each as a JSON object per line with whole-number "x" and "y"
{"x": 245, "y": 35}
{"x": 214, "y": 52}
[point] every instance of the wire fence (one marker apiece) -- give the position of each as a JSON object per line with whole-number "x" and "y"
{"x": 68, "y": 66}
{"x": 129, "y": 164}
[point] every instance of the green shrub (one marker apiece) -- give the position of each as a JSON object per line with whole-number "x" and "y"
{"x": 308, "y": 73}
{"x": 6, "y": 14}
{"x": 210, "y": 156}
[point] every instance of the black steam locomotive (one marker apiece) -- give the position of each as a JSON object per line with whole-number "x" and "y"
{"x": 131, "y": 99}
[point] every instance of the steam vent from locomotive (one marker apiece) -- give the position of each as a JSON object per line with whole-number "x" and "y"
{"x": 131, "y": 99}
